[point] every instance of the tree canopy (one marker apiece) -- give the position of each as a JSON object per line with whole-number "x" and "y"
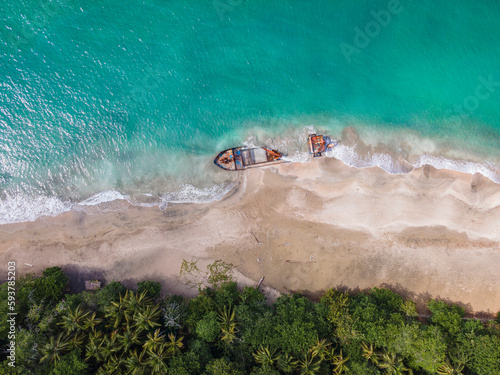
{"x": 225, "y": 330}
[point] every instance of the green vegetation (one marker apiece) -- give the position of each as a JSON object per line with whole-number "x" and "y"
{"x": 224, "y": 330}
{"x": 151, "y": 288}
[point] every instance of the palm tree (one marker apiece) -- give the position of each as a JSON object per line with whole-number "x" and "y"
{"x": 109, "y": 368}
{"x": 309, "y": 364}
{"x": 369, "y": 353}
{"x": 287, "y": 363}
{"x": 138, "y": 300}
{"x": 157, "y": 360}
{"x": 73, "y": 320}
{"x": 226, "y": 318}
{"x": 54, "y": 349}
{"x": 135, "y": 302}
{"x": 94, "y": 345}
{"x": 127, "y": 337}
{"x": 135, "y": 363}
{"x": 148, "y": 318}
{"x": 392, "y": 364}
{"x": 154, "y": 340}
{"x": 115, "y": 312}
{"x": 320, "y": 349}
{"x": 90, "y": 322}
{"x": 174, "y": 345}
{"x": 227, "y": 337}
{"x": 115, "y": 364}
{"x": 227, "y": 323}
{"x": 448, "y": 369}
{"x": 339, "y": 361}
{"x": 266, "y": 357}
{"x": 75, "y": 341}
{"x": 108, "y": 346}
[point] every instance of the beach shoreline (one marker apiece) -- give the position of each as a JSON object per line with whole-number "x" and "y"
{"x": 306, "y": 227}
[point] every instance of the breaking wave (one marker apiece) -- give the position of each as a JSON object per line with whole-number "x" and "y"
{"x": 397, "y": 165}
{"x": 396, "y": 155}
{"x": 24, "y": 208}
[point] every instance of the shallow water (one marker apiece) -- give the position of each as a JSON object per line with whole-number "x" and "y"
{"x": 133, "y": 100}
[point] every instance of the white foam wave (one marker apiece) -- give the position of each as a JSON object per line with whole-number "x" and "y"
{"x": 103, "y": 197}
{"x": 422, "y": 150}
{"x": 191, "y": 194}
{"x": 249, "y": 143}
{"x": 387, "y": 162}
{"x": 487, "y": 169}
{"x": 22, "y": 208}
{"x": 298, "y": 157}
{"x": 349, "y": 156}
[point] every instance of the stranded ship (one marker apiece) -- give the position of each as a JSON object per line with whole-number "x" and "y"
{"x": 241, "y": 158}
{"x": 319, "y": 144}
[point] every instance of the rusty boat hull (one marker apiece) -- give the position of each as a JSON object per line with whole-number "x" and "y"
{"x": 320, "y": 144}
{"x": 241, "y": 158}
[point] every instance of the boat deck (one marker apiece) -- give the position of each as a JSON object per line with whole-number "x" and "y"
{"x": 239, "y": 158}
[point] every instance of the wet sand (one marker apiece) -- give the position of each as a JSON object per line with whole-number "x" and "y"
{"x": 305, "y": 227}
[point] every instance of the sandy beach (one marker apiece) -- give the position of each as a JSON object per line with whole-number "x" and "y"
{"x": 305, "y": 227}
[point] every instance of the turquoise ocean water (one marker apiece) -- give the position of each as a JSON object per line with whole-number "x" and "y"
{"x": 132, "y": 99}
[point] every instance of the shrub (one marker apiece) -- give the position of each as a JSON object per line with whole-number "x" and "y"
{"x": 208, "y": 328}
{"x": 152, "y": 288}
{"x": 52, "y": 284}
{"x": 447, "y": 317}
